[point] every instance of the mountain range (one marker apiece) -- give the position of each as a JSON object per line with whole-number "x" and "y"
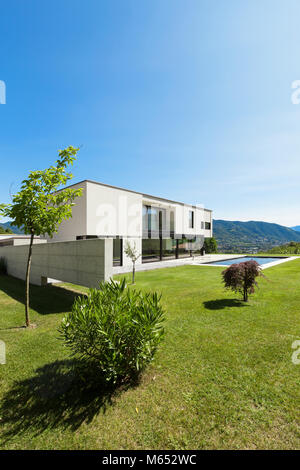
{"x": 252, "y": 236}
{"x": 14, "y": 229}
{"x": 239, "y": 237}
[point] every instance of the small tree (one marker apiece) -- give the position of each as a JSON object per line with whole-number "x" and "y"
{"x": 133, "y": 254}
{"x": 3, "y": 266}
{"x": 4, "y": 230}
{"x": 241, "y": 277}
{"x": 210, "y": 245}
{"x": 38, "y": 209}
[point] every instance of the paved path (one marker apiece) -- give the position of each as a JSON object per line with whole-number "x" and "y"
{"x": 198, "y": 260}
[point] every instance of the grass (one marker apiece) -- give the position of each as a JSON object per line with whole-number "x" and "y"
{"x": 223, "y": 378}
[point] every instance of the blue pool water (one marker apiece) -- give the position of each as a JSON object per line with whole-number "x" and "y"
{"x": 260, "y": 260}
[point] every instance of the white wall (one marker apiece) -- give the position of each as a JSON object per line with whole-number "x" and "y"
{"x": 26, "y": 241}
{"x": 106, "y": 211}
{"x": 77, "y": 224}
{"x": 208, "y": 218}
{"x": 198, "y": 218}
{"x": 181, "y": 215}
{"x": 112, "y": 211}
{"x": 20, "y": 241}
{"x": 83, "y": 262}
{"x": 115, "y": 212}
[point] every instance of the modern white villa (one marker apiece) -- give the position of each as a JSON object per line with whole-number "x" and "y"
{"x": 159, "y": 228}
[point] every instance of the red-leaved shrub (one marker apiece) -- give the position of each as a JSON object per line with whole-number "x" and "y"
{"x": 241, "y": 277}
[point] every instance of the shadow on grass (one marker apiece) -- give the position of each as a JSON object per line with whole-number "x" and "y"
{"x": 54, "y": 398}
{"x": 44, "y": 300}
{"x": 223, "y": 303}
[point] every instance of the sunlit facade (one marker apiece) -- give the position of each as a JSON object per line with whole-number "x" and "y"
{"x": 159, "y": 228}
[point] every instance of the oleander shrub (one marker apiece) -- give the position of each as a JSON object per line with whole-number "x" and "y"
{"x": 241, "y": 277}
{"x": 3, "y": 266}
{"x": 115, "y": 330}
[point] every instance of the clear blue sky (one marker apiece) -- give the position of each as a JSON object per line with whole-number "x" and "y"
{"x": 186, "y": 99}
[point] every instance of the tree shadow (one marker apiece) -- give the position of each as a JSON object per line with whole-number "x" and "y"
{"x": 56, "y": 397}
{"x": 43, "y": 299}
{"x": 223, "y": 303}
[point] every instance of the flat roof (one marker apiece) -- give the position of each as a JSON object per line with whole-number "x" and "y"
{"x": 15, "y": 235}
{"x": 135, "y": 192}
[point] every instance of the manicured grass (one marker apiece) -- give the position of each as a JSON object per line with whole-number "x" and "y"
{"x": 223, "y": 377}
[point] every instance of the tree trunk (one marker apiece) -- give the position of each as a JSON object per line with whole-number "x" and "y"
{"x": 245, "y": 295}
{"x": 133, "y": 272}
{"x": 27, "y": 280}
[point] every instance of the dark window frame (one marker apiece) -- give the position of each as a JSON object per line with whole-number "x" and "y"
{"x": 115, "y": 263}
{"x": 191, "y": 219}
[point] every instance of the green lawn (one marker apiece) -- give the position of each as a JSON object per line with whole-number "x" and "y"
{"x": 223, "y": 377}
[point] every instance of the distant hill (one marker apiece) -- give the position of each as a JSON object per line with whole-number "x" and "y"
{"x": 14, "y": 229}
{"x": 251, "y": 237}
{"x": 292, "y": 248}
{"x": 240, "y": 237}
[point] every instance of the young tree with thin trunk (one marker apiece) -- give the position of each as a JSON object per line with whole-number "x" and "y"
{"x": 133, "y": 254}
{"x": 241, "y": 277}
{"x": 39, "y": 209}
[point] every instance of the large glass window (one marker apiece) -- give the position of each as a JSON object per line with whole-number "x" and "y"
{"x": 207, "y": 225}
{"x": 150, "y": 250}
{"x": 158, "y": 236}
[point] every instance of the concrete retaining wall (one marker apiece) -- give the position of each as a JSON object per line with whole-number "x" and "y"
{"x": 82, "y": 262}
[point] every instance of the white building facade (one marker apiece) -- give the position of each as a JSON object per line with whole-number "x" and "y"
{"x": 159, "y": 228}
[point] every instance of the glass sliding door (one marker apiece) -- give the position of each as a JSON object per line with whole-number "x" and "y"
{"x": 152, "y": 229}
{"x": 151, "y": 250}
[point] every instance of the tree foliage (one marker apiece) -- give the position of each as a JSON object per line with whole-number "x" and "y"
{"x": 3, "y": 266}
{"x": 241, "y": 277}
{"x": 245, "y": 237}
{"x": 132, "y": 253}
{"x": 210, "y": 245}
{"x": 115, "y": 330}
{"x": 39, "y": 208}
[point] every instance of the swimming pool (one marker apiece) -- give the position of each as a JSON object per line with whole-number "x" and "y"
{"x": 258, "y": 259}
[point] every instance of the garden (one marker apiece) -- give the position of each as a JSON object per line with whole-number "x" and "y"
{"x": 222, "y": 376}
